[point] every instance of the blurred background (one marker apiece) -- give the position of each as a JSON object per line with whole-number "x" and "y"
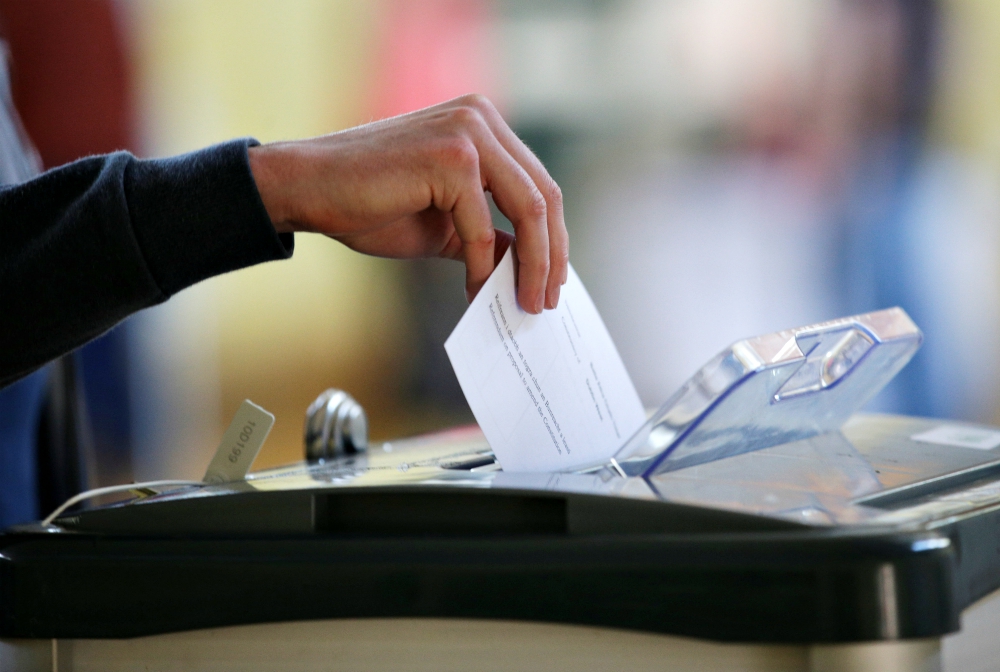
{"x": 730, "y": 168}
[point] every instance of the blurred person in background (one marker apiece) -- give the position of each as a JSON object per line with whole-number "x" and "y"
{"x": 817, "y": 195}
{"x": 86, "y": 244}
{"x": 917, "y": 226}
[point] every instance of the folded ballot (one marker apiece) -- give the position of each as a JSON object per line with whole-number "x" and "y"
{"x": 549, "y": 391}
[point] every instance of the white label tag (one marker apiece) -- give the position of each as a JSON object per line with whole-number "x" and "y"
{"x": 240, "y": 444}
{"x": 963, "y": 437}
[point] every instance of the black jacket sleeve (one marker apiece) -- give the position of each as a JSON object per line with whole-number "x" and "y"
{"x": 85, "y": 245}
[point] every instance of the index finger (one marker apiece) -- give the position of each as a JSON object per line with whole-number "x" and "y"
{"x": 519, "y": 199}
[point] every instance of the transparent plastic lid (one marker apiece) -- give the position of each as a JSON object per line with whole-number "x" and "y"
{"x": 773, "y": 389}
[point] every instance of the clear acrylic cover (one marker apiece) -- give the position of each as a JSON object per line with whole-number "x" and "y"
{"x": 772, "y": 390}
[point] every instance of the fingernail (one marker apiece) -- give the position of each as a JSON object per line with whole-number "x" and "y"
{"x": 552, "y": 300}
{"x": 539, "y": 305}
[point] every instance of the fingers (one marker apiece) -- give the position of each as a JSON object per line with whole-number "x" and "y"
{"x": 467, "y": 165}
{"x": 518, "y": 198}
{"x": 557, "y": 238}
{"x": 454, "y": 250}
{"x": 481, "y": 152}
{"x": 473, "y": 224}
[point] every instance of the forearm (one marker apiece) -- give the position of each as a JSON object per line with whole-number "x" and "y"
{"x": 85, "y": 245}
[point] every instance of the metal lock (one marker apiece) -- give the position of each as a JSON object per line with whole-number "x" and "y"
{"x": 336, "y": 425}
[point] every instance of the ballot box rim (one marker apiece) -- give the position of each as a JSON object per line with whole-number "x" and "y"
{"x": 779, "y": 586}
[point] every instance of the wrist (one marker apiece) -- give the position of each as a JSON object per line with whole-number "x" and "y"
{"x": 271, "y": 174}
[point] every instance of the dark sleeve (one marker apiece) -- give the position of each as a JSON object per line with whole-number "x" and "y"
{"x": 87, "y": 244}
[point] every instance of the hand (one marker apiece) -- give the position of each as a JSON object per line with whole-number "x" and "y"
{"x": 414, "y": 186}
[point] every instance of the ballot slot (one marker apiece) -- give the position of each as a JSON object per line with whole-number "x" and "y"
{"x": 477, "y": 462}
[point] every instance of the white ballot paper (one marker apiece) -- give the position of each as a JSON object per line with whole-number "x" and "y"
{"x": 549, "y": 391}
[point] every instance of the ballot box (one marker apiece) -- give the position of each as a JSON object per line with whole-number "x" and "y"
{"x": 757, "y": 521}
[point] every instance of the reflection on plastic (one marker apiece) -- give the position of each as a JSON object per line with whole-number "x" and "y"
{"x": 828, "y": 364}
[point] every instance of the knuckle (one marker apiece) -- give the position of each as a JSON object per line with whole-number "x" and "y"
{"x": 489, "y": 236}
{"x": 485, "y": 237}
{"x": 560, "y": 253}
{"x": 459, "y": 151}
{"x": 554, "y": 196}
{"x": 536, "y": 206}
{"x": 540, "y": 265}
{"x": 477, "y": 101}
{"x": 465, "y": 116}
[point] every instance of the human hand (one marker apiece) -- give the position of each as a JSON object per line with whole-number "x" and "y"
{"x": 414, "y": 186}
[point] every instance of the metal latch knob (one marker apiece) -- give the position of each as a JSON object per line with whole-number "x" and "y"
{"x": 336, "y": 425}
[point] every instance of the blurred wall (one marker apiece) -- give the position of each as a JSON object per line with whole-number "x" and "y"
{"x": 280, "y": 333}
{"x": 967, "y": 105}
